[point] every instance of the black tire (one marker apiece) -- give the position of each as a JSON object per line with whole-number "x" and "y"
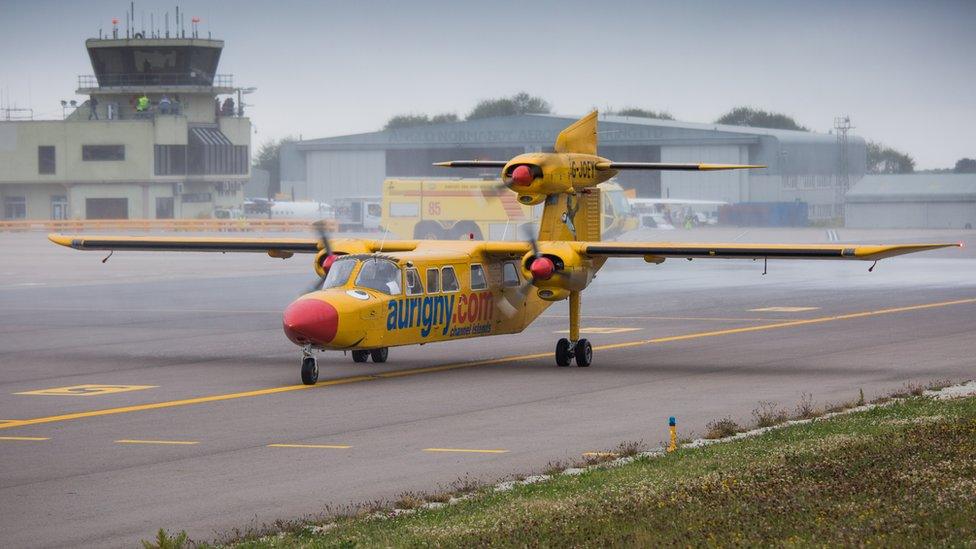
{"x": 563, "y": 353}
{"x": 310, "y": 370}
{"x": 379, "y": 355}
{"x": 360, "y": 356}
{"x": 464, "y": 230}
{"x": 428, "y": 230}
{"x": 583, "y": 353}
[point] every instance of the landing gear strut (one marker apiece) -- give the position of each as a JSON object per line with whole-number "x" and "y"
{"x": 310, "y": 368}
{"x": 574, "y": 347}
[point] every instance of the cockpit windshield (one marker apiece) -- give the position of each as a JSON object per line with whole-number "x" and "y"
{"x": 339, "y": 273}
{"x": 381, "y": 275}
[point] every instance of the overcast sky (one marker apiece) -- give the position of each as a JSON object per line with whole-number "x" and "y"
{"x": 905, "y": 71}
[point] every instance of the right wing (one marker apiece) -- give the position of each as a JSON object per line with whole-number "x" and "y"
{"x": 472, "y": 164}
{"x": 661, "y": 250}
{"x": 671, "y": 166}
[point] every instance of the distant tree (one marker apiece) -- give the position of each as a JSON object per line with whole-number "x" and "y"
{"x": 520, "y": 103}
{"x": 410, "y": 120}
{"x": 643, "y": 113}
{"x": 443, "y": 118}
{"x": 748, "y": 116}
{"x": 268, "y": 158}
{"x": 883, "y": 159}
{"x": 965, "y": 165}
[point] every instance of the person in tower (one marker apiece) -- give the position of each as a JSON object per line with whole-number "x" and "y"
{"x": 92, "y": 108}
{"x": 164, "y": 105}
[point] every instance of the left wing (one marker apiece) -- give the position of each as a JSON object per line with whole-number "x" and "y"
{"x": 275, "y": 247}
{"x": 660, "y": 250}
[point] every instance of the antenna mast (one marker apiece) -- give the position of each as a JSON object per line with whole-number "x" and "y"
{"x": 842, "y": 126}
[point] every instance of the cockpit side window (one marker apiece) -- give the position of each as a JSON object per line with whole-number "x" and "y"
{"x": 381, "y": 275}
{"x": 510, "y": 275}
{"x": 449, "y": 278}
{"x": 413, "y": 282}
{"x": 339, "y": 273}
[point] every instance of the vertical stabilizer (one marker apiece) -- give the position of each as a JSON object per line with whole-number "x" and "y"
{"x": 580, "y": 137}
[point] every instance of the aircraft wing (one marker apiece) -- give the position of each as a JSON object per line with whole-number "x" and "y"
{"x": 472, "y": 164}
{"x": 275, "y": 247}
{"x": 670, "y": 166}
{"x": 691, "y": 250}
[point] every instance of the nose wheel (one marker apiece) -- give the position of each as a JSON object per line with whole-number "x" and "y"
{"x": 310, "y": 370}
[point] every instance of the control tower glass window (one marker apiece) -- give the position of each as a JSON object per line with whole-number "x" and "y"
{"x": 155, "y": 65}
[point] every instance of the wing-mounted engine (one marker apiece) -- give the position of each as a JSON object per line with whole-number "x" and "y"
{"x": 556, "y": 269}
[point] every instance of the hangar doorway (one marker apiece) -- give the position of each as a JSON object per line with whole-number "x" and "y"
{"x": 106, "y": 208}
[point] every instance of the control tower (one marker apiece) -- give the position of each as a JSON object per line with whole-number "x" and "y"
{"x": 161, "y": 135}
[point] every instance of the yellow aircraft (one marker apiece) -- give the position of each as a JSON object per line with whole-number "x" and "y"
{"x": 375, "y": 294}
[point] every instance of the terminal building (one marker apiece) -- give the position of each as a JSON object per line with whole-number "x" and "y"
{"x": 181, "y": 154}
{"x": 810, "y": 167}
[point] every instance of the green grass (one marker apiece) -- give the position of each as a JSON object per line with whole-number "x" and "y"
{"x": 898, "y": 475}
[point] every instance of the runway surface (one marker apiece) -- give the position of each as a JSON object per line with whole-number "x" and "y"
{"x": 157, "y": 390}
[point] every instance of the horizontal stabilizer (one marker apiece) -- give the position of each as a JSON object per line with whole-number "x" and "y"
{"x": 670, "y": 166}
{"x": 472, "y": 164}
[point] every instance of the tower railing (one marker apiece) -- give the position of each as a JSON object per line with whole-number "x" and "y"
{"x": 154, "y": 79}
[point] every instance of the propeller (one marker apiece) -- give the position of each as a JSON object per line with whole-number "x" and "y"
{"x": 542, "y": 268}
{"x": 329, "y": 256}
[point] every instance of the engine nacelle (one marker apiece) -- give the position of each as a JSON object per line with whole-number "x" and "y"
{"x": 323, "y": 262}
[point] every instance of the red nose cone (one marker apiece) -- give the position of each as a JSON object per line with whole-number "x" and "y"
{"x": 310, "y": 321}
{"x": 542, "y": 268}
{"x": 522, "y": 175}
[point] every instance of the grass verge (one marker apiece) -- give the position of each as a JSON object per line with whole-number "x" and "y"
{"x": 903, "y": 474}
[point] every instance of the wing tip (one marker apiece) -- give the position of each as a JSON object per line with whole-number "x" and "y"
{"x": 61, "y": 240}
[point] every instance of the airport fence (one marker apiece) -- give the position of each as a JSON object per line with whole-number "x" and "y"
{"x": 172, "y": 225}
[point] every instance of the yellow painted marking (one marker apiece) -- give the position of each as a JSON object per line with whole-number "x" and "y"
{"x": 328, "y": 446}
{"x": 459, "y": 365}
{"x": 783, "y": 309}
{"x": 176, "y": 442}
{"x": 466, "y": 450}
{"x": 25, "y": 438}
{"x": 598, "y": 330}
{"x": 87, "y": 390}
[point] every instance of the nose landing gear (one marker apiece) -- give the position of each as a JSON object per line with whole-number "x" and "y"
{"x": 574, "y": 347}
{"x": 310, "y": 368}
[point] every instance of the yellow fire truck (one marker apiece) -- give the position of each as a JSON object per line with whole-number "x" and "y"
{"x": 479, "y": 209}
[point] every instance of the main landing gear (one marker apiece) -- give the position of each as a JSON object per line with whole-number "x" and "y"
{"x": 378, "y": 355}
{"x": 574, "y": 347}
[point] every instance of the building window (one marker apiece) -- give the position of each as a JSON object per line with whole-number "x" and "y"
{"x": 14, "y": 207}
{"x": 170, "y": 159}
{"x": 45, "y": 159}
{"x": 102, "y": 152}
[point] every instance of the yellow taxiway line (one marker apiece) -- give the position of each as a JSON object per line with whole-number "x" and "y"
{"x": 325, "y": 446}
{"x": 466, "y": 450}
{"x": 25, "y": 438}
{"x": 174, "y": 442}
{"x": 8, "y": 424}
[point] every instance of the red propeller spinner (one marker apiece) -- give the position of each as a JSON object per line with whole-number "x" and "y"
{"x": 542, "y": 268}
{"x": 522, "y": 175}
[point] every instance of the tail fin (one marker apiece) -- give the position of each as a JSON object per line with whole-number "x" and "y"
{"x": 580, "y": 137}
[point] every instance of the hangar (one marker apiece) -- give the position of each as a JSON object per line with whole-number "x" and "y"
{"x": 913, "y": 201}
{"x": 812, "y": 167}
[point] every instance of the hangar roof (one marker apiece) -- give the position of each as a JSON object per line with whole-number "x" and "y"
{"x": 927, "y": 187}
{"x": 543, "y": 128}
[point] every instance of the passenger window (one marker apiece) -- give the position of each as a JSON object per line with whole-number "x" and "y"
{"x": 433, "y": 281}
{"x": 478, "y": 281}
{"x": 413, "y": 282}
{"x": 450, "y": 279}
{"x": 380, "y": 275}
{"x": 510, "y": 274}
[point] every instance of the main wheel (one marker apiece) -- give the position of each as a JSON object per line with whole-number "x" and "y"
{"x": 583, "y": 353}
{"x": 360, "y": 356}
{"x": 379, "y": 355}
{"x": 563, "y": 352}
{"x": 310, "y": 370}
